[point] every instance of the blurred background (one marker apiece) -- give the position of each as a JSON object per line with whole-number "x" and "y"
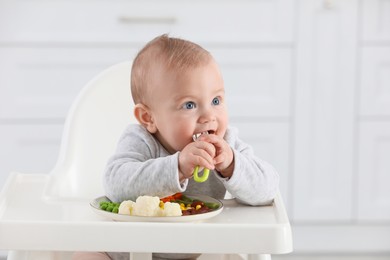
{"x": 307, "y": 82}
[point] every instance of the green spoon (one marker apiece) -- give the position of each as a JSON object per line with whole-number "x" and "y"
{"x": 206, "y": 172}
{"x": 204, "y": 176}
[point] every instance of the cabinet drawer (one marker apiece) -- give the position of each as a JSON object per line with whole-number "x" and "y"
{"x": 374, "y": 168}
{"x": 257, "y": 81}
{"x": 375, "y": 20}
{"x": 43, "y": 82}
{"x": 113, "y": 21}
{"x": 28, "y": 148}
{"x": 375, "y": 81}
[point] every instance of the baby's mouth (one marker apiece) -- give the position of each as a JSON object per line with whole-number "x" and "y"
{"x": 196, "y": 136}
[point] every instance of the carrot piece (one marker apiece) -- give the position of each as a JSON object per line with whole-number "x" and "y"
{"x": 178, "y": 195}
{"x": 175, "y": 196}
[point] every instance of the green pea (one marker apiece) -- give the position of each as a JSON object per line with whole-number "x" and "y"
{"x": 109, "y": 206}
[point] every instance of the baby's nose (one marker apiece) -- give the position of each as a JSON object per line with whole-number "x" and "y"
{"x": 207, "y": 116}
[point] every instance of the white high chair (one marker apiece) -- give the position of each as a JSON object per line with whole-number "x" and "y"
{"x": 59, "y": 219}
{"x": 92, "y": 129}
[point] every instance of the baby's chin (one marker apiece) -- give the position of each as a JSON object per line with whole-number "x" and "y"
{"x": 178, "y": 148}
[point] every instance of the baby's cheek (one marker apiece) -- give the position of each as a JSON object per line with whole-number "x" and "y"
{"x": 182, "y": 138}
{"x": 181, "y": 144}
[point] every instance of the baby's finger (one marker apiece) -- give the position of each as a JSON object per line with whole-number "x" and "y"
{"x": 205, "y": 146}
{"x": 220, "y": 158}
{"x": 203, "y": 162}
{"x": 217, "y": 141}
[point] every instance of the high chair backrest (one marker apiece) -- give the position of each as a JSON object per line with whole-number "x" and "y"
{"x": 93, "y": 126}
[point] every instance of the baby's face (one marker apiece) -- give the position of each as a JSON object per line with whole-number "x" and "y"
{"x": 186, "y": 104}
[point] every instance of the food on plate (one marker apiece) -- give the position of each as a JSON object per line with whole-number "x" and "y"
{"x": 147, "y": 206}
{"x": 126, "y": 207}
{"x": 109, "y": 206}
{"x": 191, "y": 206}
{"x": 171, "y": 209}
{"x": 152, "y": 206}
{"x": 175, "y": 196}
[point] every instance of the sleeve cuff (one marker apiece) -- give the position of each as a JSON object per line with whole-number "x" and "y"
{"x": 237, "y": 172}
{"x": 181, "y": 186}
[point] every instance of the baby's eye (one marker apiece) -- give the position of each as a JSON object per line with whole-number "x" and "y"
{"x": 189, "y": 105}
{"x": 216, "y": 101}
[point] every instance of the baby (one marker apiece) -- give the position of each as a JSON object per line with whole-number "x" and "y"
{"x": 178, "y": 92}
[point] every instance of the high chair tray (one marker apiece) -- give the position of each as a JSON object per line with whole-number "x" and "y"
{"x": 36, "y": 224}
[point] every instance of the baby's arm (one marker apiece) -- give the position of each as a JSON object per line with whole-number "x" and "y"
{"x": 140, "y": 166}
{"x": 253, "y": 180}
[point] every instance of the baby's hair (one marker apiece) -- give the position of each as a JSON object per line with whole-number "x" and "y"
{"x": 172, "y": 53}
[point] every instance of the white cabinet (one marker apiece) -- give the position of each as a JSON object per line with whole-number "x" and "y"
{"x": 41, "y": 83}
{"x": 373, "y": 171}
{"x": 375, "y": 21}
{"x": 324, "y": 111}
{"x": 97, "y": 22}
{"x": 373, "y": 112}
{"x": 341, "y": 126}
{"x": 257, "y": 81}
{"x": 375, "y": 81}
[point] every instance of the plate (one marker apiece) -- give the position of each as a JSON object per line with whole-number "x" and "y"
{"x": 95, "y": 204}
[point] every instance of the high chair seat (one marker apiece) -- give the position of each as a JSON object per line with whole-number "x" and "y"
{"x": 94, "y": 123}
{"x": 49, "y": 215}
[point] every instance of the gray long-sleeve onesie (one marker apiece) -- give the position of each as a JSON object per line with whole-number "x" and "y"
{"x": 141, "y": 166}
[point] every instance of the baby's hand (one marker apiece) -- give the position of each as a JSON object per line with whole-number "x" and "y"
{"x": 224, "y": 157}
{"x": 196, "y": 153}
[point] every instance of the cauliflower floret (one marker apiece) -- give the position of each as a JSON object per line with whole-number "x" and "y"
{"x": 149, "y": 206}
{"x": 171, "y": 209}
{"x": 146, "y": 206}
{"x": 126, "y": 207}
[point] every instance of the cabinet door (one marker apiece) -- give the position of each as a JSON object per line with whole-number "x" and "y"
{"x": 257, "y": 81}
{"x": 270, "y": 142}
{"x": 43, "y": 82}
{"x": 375, "y": 20}
{"x": 375, "y": 81}
{"x": 28, "y": 148}
{"x": 373, "y": 171}
{"x": 324, "y": 111}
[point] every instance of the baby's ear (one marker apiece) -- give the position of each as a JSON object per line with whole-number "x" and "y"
{"x": 143, "y": 114}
